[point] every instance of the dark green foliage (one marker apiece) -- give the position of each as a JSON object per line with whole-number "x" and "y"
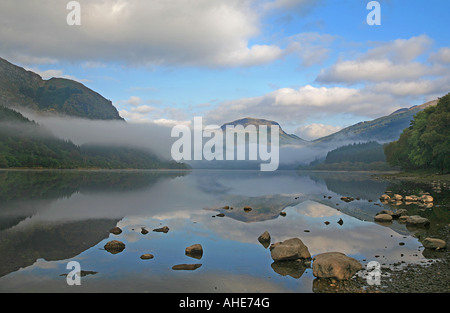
{"x": 358, "y": 152}
{"x": 368, "y": 156}
{"x": 426, "y": 143}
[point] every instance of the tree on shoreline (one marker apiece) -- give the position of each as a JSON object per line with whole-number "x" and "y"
{"x": 426, "y": 143}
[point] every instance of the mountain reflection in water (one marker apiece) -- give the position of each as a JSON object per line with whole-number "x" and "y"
{"x": 48, "y": 218}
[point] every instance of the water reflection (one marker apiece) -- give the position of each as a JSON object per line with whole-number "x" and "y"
{"x": 48, "y": 218}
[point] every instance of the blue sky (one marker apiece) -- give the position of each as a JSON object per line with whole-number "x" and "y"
{"x": 313, "y": 66}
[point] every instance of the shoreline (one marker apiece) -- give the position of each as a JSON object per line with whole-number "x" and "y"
{"x": 419, "y": 177}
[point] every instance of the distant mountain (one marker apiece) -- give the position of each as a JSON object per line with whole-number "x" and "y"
{"x": 22, "y": 88}
{"x": 285, "y": 138}
{"x": 384, "y": 129}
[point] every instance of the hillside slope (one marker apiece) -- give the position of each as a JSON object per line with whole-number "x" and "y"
{"x": 22, "y": 88}
{"x": 383, "y": 129}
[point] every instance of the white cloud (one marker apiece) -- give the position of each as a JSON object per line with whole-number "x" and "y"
{"x": 357, "y": 71}
{"x": 143, "y": 109}
{"x": 442, "y": 56}
{"x": 134, "y": 100}
{"x": 314, "y": 131}
{"x": 391, "y": 61}
{"x": 54, "y": 73}
{"x": 312, "y": 48}
{"x": 291, "y": 6}
{"x": 400, "y": 50}
{"x": 287, "y": 105}
{"x": 138, "y": 32}
{"x": 436, "y": 87}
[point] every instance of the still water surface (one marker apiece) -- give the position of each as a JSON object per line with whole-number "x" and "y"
{"x": 49, "y": 218}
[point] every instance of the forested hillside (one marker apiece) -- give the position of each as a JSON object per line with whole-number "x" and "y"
{"x": 426, "y": 143}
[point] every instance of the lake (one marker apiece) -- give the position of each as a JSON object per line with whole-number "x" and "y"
{"x": 49, "y": 218}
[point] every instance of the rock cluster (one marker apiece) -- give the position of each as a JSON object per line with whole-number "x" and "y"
{"x": 294, "y": 254}
{"x": 425, "y": 199}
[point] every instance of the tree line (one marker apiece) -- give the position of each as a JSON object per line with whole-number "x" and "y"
{"x": 425, "y": 144}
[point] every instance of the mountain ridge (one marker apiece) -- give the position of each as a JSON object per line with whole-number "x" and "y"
{"x": 382, "y": 129}
{"x": 20, "y": 88}
{"x": 285, "y": 138}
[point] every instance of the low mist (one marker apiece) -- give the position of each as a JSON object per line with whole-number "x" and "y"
{"x": 156, "y": 138}
{"x": 149, "y": 136}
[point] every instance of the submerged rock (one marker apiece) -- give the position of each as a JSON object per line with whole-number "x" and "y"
{"x": 114, "y": 246}
{"x": 400, "y": 212}
{"x": 186, "y": 267}
{"x": 195, "y": 251}
{"x": 417, "y": 220}
{"x": 335, "y": 265}
{"x": 264, "y": 239}
{"x": 383, "y": 218}
{"x": 115, "y": 230}
{"x": 295, "y": 269}
{"x": 163, "y": 229}
{"x": 290, "y": 249}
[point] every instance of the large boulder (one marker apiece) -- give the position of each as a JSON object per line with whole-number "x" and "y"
{"x": 335, "y": 265}
{"x": 290, "y": 249}
{"x": 434, "y": 243}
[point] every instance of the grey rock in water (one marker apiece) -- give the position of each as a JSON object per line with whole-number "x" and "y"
{"x": 186, "y": 267}
{"x": 115, "y": 230}
{"x": 264, "y": 239}
{"x": 290, "y": 249}
{"x": 114, "y": 246}
{"x": 335, "y": 265}
{"x": 195, "y": 251}
{"x": 163, "y": 229}
{"x": 383, "y": 218}
{"x": 417, "y": 220}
